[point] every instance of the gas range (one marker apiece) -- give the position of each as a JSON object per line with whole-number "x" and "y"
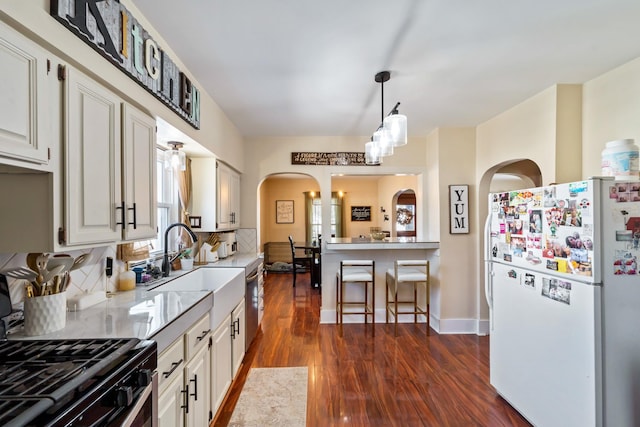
{"x": 78, "y": 382}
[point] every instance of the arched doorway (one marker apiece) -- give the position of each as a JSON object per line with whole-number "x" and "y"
{"x": 510, "y": 175}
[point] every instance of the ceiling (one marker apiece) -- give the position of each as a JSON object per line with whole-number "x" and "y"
{"x": 303, "y": 67}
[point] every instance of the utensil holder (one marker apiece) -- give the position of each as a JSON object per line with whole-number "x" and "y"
{"x": 45, "y": 314}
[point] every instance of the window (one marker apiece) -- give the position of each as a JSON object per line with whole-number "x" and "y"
{"x": 167, "y": 201}
{"x": 314, "y": 215}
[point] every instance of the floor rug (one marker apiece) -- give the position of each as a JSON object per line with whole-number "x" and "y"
{"x": 273, "y": 397}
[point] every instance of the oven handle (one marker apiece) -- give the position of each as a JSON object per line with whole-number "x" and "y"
{"x": 252, "y": 278}
{"x": 150, "y": 390}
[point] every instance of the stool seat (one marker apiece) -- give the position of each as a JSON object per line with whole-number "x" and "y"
{"x": 357, "y": 275}
{"x": 407, "y": 274}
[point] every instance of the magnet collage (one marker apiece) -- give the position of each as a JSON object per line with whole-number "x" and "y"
{"x": 544, "y": 227}
{"x": 625, "y": 260}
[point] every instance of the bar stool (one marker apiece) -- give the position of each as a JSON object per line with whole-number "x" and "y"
{"x": 410, "y": 273}
{"x": 361, "y": 272}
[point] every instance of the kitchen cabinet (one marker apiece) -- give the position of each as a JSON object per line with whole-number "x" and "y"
{"x": 227, "y": 353}
{"x": 109, "y": 169}
{"x": 184, "y": 384}
{"x": 25, "y": 136}
{"x": 228, "y": 186}
{"x": 260, "y": 293}
{"x": 203, "y": 197}
{"x": 139, "y": 174}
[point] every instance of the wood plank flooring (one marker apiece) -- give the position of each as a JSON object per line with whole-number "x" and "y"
{"x": 364, "y": 380}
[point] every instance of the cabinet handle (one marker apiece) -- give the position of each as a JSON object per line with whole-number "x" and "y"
{"x": 237, "y": 322}
{"x": 135, "y": 222}
{"x": 195, "y": 385}
{"x": 174, "y": 365}
{"x": 204, "y": 334}
{"x": 122, "y": 214}
{"x": 185, "y": 398}
{"x": 233, "y": 329}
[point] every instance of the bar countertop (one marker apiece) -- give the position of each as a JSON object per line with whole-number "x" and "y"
{"x": 349, "y": 243}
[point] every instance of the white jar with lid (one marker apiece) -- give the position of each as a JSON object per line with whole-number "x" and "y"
{"x": 620, "y": 159}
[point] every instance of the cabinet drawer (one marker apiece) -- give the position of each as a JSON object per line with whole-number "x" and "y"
{"x": 171, "y": 363}
{"x": 197, "y": 336}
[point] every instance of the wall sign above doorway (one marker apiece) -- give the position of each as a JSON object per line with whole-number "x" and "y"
{"x": 112, "y": 31}
{"x": 328, "y": 159}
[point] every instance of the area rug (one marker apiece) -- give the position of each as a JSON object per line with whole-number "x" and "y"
{"x": 273, "y": 397}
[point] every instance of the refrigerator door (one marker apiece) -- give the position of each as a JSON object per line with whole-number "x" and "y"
{"x": 543, "y": 346}
{"x": 621, "y": 303}
{"x": 550, "y": 229}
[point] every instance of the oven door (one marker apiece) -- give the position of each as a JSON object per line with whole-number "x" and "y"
{"x": 144, "y": 411}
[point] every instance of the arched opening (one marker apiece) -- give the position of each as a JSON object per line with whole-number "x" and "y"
{"x": 511, "y": 175}
{"x": 404, "y": 214}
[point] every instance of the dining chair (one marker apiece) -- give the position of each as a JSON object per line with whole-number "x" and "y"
{"x": 305, "y": 260}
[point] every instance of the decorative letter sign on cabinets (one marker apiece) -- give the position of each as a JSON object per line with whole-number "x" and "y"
{"x": 110, "y": 166}
{"x": 23, "y": 104}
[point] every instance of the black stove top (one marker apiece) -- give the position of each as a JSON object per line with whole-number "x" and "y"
{"x": 51, "y": 377}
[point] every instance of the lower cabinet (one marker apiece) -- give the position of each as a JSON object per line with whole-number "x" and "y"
{"x": 184, "y": 379}
{"x": 227, "y": 353}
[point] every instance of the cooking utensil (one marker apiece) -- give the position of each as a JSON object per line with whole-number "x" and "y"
{"x": 21, "y": 273}
{"x": 50, "y": 274}
{"x": 41, "y": 263}
{"x": 66, "y": 262}
{"x": 32, "y": 260}
{"x": 80, "y": 261}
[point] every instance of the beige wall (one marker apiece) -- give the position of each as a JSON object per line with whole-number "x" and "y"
{"x": 611, "y": 111}
{"x": 217, "y": 134}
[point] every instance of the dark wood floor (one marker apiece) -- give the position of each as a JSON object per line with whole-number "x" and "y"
{"x": 364, "y": 380}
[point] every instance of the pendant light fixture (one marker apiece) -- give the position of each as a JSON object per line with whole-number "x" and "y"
{"x": 174, "y": 158}
{"x": 392, "y": 131}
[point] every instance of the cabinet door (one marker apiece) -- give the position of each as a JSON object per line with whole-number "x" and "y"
{"x": 238, "y": 317}
{"x": 23, "y": 104}
{"x": 234, "y": 198}
{"x": 93, "y": 162}
{"x": 224, "y": 186}
{"x": 203, "y": 195}
{"x": 197, "y": 374}
{"x": 171, "y": 402}
{"x": 139, "y": 173}
{"x": 221, "y": 363}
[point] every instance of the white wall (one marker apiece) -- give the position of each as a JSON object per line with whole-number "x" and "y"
{"x": 611, "y": 110}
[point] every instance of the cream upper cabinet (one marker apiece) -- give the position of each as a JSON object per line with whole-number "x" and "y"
{"x": 228, "y": 186}
{"x": 24, "y": 130}
{"x": 110, "y": 161}
{"x": 203, "y": 197}
{"x": 139, "y": 177}
{"x": 93, "y": 187}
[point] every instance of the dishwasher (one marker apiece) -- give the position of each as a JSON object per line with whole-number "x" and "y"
{"x": 252, "y": 298}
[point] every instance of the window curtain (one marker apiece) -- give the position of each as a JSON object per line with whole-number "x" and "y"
{"x": 184, "y": 194}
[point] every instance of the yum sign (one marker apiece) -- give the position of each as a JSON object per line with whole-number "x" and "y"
{"x": 459, "y": 209}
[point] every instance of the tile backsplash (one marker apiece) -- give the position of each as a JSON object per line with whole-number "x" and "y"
{"x": 90, "y": 277}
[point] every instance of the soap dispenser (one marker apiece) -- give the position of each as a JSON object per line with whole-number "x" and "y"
{"x": 126, "y": 280}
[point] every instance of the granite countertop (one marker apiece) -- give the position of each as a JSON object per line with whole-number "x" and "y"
{"x": 348, "y": 243}
{"x": 144, "y": 313}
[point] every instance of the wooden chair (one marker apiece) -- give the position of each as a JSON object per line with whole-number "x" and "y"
{"x": 302, "y": 259}
{"x": 407, "y": 274}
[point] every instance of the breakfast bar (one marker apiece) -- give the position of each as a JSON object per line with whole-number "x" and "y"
{"x": 383, "y": 253}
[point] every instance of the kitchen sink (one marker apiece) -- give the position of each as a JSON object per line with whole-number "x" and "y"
{"x": 227, "y": 285}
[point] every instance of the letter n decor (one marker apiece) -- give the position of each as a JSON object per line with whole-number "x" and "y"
{"x": 459, "y": 209}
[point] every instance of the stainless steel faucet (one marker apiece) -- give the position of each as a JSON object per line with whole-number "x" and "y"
{"x": 166, "y": 265}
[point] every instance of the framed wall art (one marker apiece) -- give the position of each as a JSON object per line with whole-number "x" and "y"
{"x": 284, "y": 211}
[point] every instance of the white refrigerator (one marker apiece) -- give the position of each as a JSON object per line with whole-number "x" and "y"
{"x": 564, "y": 296}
